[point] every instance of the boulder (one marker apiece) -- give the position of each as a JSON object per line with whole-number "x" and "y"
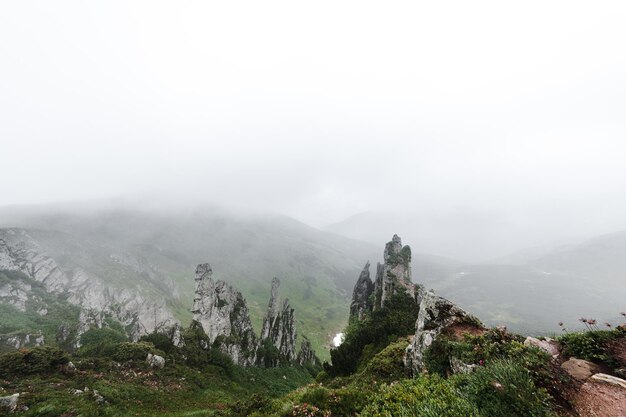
{"x": 548, "y": 345}
{"x": 580, "y": 369}
{"x": 9, "y": 403}
{"x": 155, "y": 361}
{"x": 69, "y": 368}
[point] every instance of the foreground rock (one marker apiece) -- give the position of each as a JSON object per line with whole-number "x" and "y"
{"x": 580, "y": 369}
{"x": 438, "y": 317}
{"x": 548, "y": 345}
{"x": 601, "y": 396}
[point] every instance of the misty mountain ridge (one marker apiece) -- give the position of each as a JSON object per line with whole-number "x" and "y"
{"x": 144, "y": 260}
{"x": 532, "y": 289}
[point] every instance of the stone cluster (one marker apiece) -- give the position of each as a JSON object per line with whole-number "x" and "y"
{"x": 222, "y": 313}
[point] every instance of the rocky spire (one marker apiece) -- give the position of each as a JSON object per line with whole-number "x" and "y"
{"x": 222, "y": 313}
{"x": 361, "y": 302}
{"x": 279, "y": 327}
{"x": 394, "y": 272}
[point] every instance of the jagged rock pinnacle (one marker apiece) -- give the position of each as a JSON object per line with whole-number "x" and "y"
{"x": 279, "y": 328}
{"x": 361, "y": 303}
{"x": 222, "y": 313}
{"x": 395, "y": 272}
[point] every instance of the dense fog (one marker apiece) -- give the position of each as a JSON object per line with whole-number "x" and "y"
{"x": 499, "y": 130}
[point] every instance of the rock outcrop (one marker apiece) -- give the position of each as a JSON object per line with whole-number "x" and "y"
{"x": 361, "y": 295}
{"x": 24, "y": 340}
{"x": 222, "y": 313}
{"x": 306, "y": 355}
{"x": 155, "y": 361}
{"x": 279, "y": 326}
{"x": 393, "y": 275}
{"x": 580, "y": 369}
{"x": 548, "y": 345}
{"x": 437, "y": 317}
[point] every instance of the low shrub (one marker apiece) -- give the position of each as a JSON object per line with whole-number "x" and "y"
{"x": 138, "y": 351}
{"x": 160, "y": 342}
{"x": 591, "y": 345}
{"x": 40, "y": 360}
{"x": 505, "y": 388}
{"x": 388, "y": 364}
{"x": 427, "y": 396}
{"x": 198, "y": 353}
{"x": 100, "y": 342}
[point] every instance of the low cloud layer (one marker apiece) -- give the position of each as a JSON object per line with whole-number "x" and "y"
{"x": 492, "y": 127}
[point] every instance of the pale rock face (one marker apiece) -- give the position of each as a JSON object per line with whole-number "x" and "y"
{"x": 279, "y": 325}
{"x": 610, "y": 379}
{"x": 15, "y": 294}
{"x": 363, "y": 289}
{"x": 25, "y": 340}
{"x": 223, "y": 315}
{"x": 175, "y": 335}
{"x": 436, "y": 316}
{"x": 20, "y": 252}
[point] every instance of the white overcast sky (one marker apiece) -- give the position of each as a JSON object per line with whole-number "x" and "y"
{"x": 320, "y": 110}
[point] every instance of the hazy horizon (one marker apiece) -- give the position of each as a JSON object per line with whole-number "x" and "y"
{"x": 485, "y": 128}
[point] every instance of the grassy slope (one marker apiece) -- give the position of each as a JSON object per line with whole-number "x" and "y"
{"x": 139, "y": 391}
